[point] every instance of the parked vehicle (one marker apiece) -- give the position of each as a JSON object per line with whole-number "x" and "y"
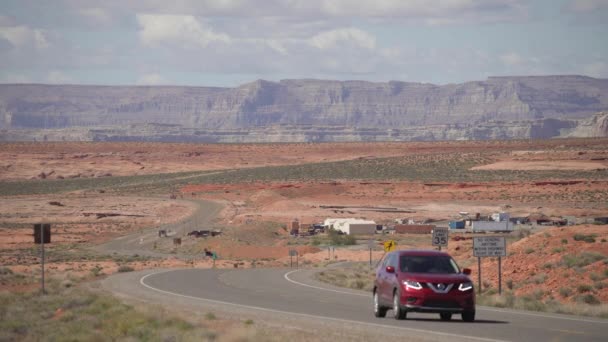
{"x": 423, "y": 281}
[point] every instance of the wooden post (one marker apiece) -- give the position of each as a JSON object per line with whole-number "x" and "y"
{"x": 370, "y": 258}
{"x": 479, "y": 273}
{"x": 499, "y": 276}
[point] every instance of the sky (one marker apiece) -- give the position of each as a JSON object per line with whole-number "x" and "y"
{"x": 230, "y": 42}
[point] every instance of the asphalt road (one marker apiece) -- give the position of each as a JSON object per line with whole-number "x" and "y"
{"x": 287, "y": 293}
{"x": 141, "y": 243}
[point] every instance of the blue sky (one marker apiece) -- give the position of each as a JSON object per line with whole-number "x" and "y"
{"x": 230, "y": 42}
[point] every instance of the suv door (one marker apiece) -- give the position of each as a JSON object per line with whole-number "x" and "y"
{"x": 381, "y": 278}
{"x": 392, "y": 280}
{"x": 386, "y": 289}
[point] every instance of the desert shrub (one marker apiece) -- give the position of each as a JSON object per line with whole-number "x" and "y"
{"x": 557, "y": 250}
{"x": 532, "y": 304}
{"x": 590, "y": 238}
{"x": 249, "y": 322}
{"x": 540, "y": 278}
{"x": 341, "y": 239}
{"x": 524, "y": 233}
{"x": 599, "y": 285}
{"x": 581, "y": 260}
{"x": 315, "y": 241}
{"x": 210, "y": 316}
{"x": 565, "y": 292}
{"x": 584, "y": 288}
{"x": 96, "y": 271}
{"x": 603, "y": 240}
{"x": 509, "y": 284}
{"x": 529, "y": 250}
{"x": 125, "y": 268}
{"x": 538, "y": 294}
{"x": 588, "y": 299}
{"x": 565, "y": 241}
{"x": 595, "y": 277}
{"x": 5, "y": 271}
{"x": 548, "y": 266}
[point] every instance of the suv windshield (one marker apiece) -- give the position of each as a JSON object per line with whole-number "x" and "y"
{"x": 428, "y": 264}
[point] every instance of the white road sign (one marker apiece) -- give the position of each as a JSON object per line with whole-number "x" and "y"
{"x": 440, "y": 236}
{"x": 489, "y": 246}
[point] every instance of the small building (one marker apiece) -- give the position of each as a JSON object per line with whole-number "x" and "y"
{"x": 355, "y": 226}
{"x": 414, "y": 228}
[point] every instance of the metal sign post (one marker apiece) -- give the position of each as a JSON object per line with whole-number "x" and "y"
{"x": 292, "y": 253}
{"x": 370, "y": 245}
{"x": 41, "y": 238}
{"x": 490, "y": 246}
{"x": 42, "y": 258}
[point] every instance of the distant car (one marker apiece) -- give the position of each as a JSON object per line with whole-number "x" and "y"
{"x": 423, "y": 281}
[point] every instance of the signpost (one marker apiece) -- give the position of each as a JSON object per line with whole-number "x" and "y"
{"x": 370, "y": 245}
{"x": 440, "y": 237}
{"x": 42, "y": 235}
{"x": 292, "y": 253}
{"x": 490, "y": 246}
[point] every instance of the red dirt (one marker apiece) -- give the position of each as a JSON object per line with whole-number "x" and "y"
{"x": 254, "y": 211}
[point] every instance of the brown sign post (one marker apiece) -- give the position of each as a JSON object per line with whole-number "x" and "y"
{"x": 42, "y": 235}
{"x": 490, "y": 246}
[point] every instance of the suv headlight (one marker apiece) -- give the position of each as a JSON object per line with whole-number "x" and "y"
{"x": 410, "y": 284}
{"x": 465, "y": 286}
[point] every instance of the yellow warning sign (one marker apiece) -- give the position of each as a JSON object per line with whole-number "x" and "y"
{"x": 389, "y": 245}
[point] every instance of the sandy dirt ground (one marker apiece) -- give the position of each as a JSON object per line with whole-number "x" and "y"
{"x": 255, "y": 215}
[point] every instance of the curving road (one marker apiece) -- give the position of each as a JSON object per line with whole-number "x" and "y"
{"x": 284, "y": 293}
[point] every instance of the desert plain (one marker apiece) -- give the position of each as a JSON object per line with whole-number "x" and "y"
{"x": 107, "y": 201}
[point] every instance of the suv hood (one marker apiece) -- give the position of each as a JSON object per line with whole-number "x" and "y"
{"x": 435, "y": 278}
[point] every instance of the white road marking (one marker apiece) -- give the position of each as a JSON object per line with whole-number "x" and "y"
{"x": 484, "y": 308}
{"x": 286, "y": 276}
{"x": 142, "y": 282}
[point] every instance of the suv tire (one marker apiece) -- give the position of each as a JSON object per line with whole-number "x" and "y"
{"x": 445, "y": 316}
{"x": 379, "y": 311}
{"x": 468, "y": 316}
{"x": 398, "y": 312}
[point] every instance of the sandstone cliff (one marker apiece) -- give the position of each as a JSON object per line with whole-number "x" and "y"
{"x": 310, "y": 110}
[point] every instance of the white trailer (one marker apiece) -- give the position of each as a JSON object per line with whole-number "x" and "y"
{"x": 492, "y": 226}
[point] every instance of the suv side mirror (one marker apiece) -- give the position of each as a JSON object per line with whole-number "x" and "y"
{"x": 390, "y": 269}
{"x": 466, "y": 271}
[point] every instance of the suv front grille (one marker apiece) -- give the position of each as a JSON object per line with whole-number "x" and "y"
{"x": 441, "y": 304}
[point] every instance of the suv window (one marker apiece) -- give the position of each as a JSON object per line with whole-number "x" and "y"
{"x": 428, "y": 264}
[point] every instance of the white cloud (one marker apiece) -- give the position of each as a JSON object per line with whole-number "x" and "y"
{"x": 512, "y": 59}
{"x": 58, "y": 77}
{"x": 184, "y": 30}
{"x": 23, "y": 36}
{"x": 96, "y": 15}
{"x": 151, "y": 79}
{"x": 587, "y": 5}
{"x": 16, "y": 78}
{"x": 348, "y": 36}
{"x": 596, "y": 69}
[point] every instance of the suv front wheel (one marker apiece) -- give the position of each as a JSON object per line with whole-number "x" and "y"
{"x": 398, "y": 312}
{"x": 379, "y": 311}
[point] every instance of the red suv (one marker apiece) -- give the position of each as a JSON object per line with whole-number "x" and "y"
{"x": 423, "y": 281}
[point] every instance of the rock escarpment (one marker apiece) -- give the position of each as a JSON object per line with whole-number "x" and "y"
{"x": 308, "y": 110}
